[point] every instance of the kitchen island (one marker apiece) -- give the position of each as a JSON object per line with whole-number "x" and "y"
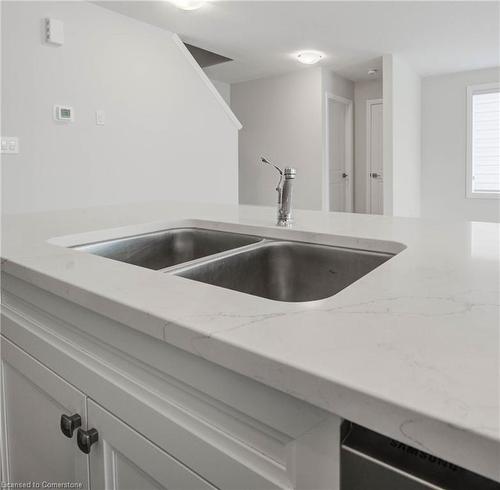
{"x": 243, "y": 391}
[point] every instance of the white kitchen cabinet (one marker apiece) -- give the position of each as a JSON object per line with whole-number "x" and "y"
{"x": 36, "y": 449}
{"x": 124, "y": 460}
{"x": 33, "y": 400}
{"x": 164, "y": 417}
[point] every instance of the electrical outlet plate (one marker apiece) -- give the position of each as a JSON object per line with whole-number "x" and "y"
{"x": 10, "y": 145}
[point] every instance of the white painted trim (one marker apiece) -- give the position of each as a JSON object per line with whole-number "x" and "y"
{"x": 4, "y": 453}
{"x": 349, "y": 150}
{"x": 484, "y": 88}
{"x": 206, "y": 81}
{"x": 369, "y": 104}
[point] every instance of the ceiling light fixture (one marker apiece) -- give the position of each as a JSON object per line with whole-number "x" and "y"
{"x": 188, "y": 4}
{"x": 309, "y": 57}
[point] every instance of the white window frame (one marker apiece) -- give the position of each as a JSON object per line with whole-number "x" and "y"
{"x": 472, "y": 90}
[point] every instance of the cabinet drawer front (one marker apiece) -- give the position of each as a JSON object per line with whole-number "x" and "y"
{"x": 124, "y": 459}
{"x": 34, "y": 398}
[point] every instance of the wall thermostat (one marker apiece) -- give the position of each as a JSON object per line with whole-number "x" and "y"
{"x": 64, "y": 113}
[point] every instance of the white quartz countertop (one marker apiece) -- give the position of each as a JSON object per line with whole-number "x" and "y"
{"x": 410, "y": 350}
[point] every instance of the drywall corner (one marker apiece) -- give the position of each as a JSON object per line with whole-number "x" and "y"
{"x": 388, "y": 151}
{"x": 402, "y": 88}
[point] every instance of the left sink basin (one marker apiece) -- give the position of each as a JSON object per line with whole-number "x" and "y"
{"x": 162, "y": 249}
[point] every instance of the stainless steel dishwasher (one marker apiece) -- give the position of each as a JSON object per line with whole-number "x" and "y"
{"x": 370, "y": 461}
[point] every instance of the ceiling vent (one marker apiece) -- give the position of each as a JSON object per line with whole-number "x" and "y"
{"x": 206, "y": 58}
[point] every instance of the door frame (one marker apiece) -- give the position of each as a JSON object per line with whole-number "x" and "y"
{"x": 369, "y": 104}
{"x": 349, "y": 151}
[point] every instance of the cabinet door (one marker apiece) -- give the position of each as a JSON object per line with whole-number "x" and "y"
{"x": 33, "y": 399}
{"x": 122, "y": 459}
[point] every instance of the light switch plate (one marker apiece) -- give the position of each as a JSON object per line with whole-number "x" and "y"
{"x": 100, "y": 117}
{"x": 10, "y": 145}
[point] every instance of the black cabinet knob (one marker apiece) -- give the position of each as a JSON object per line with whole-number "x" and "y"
{"x": 69, "y": 423}
{"x": 85, "y": 439}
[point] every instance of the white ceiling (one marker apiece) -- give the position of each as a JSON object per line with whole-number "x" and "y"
{"x": 261, "y": 36}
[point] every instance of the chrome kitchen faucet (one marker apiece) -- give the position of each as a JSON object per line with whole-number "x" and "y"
{"x": 284, "y": 189}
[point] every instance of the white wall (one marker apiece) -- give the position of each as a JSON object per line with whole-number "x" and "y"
{"x": 282, "y": 120}
{"x": 363, "y": 91}
{"x": 402, "y": 138}
{"x": 166, "y": 135}
{"x": 444, "y": 148}
{"x": 224, "y": 89}
{"x": 337, "y": 85}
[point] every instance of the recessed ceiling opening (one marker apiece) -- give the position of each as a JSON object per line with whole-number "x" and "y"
{"x": 206, "y": 58}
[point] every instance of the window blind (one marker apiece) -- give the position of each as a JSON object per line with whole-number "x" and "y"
{"x": 486, "y": 142}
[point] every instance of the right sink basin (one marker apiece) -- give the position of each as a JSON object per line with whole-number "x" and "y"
{"x": 287, "y": 271}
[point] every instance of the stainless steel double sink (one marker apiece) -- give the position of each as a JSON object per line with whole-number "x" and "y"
{"x": 280, "y": 270}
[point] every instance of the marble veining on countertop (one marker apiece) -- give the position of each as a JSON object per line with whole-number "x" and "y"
{"x": 412, "y": 349}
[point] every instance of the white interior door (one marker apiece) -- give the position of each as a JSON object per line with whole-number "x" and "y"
{"x": 374, "y": 153}
{"x": 340, "y": 154}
